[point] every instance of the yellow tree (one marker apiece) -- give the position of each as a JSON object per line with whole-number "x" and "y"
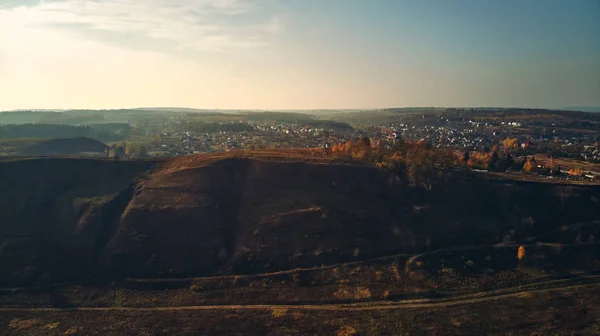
{"x": 510, "y": 143}
{"x": 521, "y": 252}
{"x": 530, "y": 166}
{"x": 129, "y": 149}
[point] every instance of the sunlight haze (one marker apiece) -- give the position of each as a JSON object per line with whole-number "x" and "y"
{"x": 298, "y": 54}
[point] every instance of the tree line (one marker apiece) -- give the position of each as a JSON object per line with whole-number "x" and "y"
{"x": 413, "y": 162}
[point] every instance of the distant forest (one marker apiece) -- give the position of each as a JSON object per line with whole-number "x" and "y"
{"x": 101, "y": 132}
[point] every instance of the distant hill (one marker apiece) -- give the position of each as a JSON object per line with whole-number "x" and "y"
{"x": 583, "y": 108}
{"x": 182, "y": 109}
{"x": 64, "y": 146}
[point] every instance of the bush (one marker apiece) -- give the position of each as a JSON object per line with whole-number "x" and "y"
{"x": 196, "y": 288}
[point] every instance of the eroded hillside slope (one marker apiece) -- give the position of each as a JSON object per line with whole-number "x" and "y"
{"x": 68, "y": 219}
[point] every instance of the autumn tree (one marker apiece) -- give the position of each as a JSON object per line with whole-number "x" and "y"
{"x": 576, "y": 172}
{"x": 510, "y": 143}
{"x": 135, "y": 150}
{"x": 530, "y": 165}
{"x": 338, "y": 149}
{"x": 409, "y": 161}
{"x": 358, "y": 150}
{"x": 360, "y": 155}
{"x": 129, "y": 149}
{"x": 399, "y": 146}
{"x": 521, "y": 252}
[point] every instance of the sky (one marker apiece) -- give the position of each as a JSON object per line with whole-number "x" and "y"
{"x": 298, "y": 54}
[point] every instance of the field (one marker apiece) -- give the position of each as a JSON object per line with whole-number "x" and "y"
{"x": 345, "y": 299}
{"x": 520, "y": 176}
{"x": 567, "y": 164}
{"x": 527, "y": 313}
{"x": 12, "y": 146}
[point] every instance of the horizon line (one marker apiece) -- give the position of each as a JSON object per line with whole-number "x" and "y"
{"x": 293, "y": 109}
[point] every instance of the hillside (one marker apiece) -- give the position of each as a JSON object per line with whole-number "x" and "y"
{"x": 63, "y": 146}
{"x": 284, "y": 236}
{"x": 70, "y": 219}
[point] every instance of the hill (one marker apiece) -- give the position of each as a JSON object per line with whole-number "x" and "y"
{"x": 205, "y": 216}
{"x": 283, "y": 235}
{"x": 64, "y": 146}
{"x": 583, "y": 108}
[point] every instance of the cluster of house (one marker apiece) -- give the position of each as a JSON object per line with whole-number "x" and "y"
{"x": 262, "y": 135}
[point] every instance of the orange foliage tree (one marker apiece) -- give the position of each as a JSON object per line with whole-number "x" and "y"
{"x": 510, "y": 143}
{"x": 357, "y": 150}
{"x": 521, "y": 252}
{"x": 414, "y": 161}
{"x": 576, "y": 172}
{"x": 530, "y": 165}
{"x": 479, "y": 160}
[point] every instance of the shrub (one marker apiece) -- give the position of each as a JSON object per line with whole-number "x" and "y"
{"x": 278, "y": 312}
{"x": 196, "y": 288}
{"x": 346, "y": 331}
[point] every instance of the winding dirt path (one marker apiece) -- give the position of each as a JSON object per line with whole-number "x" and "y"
{"x": 589, "y": 281}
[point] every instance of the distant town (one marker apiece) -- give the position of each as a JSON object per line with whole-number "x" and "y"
{"x": 548, "y": 138}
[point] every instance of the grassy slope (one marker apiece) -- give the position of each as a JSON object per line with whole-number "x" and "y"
{"x": 433, "y": 230}
{"x": 41, "y": 147}
{"x": 565, "y": 311}
{"x": 13, "y": 146}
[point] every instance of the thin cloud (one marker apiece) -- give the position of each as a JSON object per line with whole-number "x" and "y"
{"x": 273, "y": 26}
{"x": 197, "y": 25}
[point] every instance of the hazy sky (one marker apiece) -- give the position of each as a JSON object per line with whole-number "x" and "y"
{"x": 298, "y": 54}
